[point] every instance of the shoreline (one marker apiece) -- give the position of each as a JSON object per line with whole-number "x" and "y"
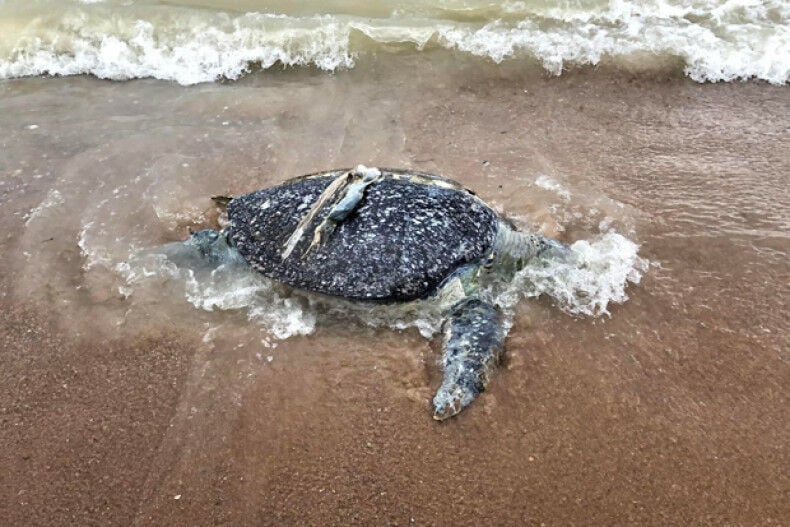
{"x": 147, "y": 411}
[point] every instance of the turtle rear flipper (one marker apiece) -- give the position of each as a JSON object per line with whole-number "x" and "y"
{"x": 473, "y": 342}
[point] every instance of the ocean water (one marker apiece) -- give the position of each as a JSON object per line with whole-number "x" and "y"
{"x": 276, "y": 90}
{"x": 192, "y": 42}
{"x": 203, "y": 41}
{"x": 647, "y": 384}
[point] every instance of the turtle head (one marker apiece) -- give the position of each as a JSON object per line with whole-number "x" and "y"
{"x": 205, "y": 249}
{"x": 510, "y": 253}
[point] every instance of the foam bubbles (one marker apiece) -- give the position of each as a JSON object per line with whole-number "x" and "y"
{"x": 54, "y": 199}
{"x": 587, "y": 285}
{"x": 716, "y": 40}
{"x": 546, "y": 182}
{"x": 190, "y": 51}
{"x": 226, "y": 288}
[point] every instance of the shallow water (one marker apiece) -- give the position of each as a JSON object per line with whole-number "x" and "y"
{"x": 671, "y": 409}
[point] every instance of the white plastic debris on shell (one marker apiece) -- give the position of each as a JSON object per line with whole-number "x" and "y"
{"x": 364, "y": 171}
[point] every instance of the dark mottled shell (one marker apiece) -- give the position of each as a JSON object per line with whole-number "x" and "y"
{"x": 406, "y": 235}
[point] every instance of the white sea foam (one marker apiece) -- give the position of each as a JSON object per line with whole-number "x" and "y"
{"x": 597, "y": 278}
{"x": 546, "y": 182}
{"x": 54, "y": 199}
{"x": 234, "y": 289}
{"x": 226, "y": 288}
{"x": 716, "y": 40}
{"x": 191, "y": 52}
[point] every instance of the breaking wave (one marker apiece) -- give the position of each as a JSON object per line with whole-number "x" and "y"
{"x": 714, "y": 40}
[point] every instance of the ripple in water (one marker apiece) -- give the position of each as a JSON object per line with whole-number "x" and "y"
{"x": 603, "y": 269}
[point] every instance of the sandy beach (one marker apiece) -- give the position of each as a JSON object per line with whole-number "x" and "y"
{"x": 141, "y": 409}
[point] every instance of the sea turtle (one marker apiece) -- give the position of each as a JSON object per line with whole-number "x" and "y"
{"x": 386, "y": 236}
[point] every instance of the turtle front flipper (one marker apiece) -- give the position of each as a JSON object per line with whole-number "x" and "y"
{"x": 474, "y": 337}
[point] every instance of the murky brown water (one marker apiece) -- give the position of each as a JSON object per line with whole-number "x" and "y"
{"x": 146, "y": 410}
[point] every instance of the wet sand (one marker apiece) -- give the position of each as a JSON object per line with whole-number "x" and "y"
{"x": 147, "y": 411}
